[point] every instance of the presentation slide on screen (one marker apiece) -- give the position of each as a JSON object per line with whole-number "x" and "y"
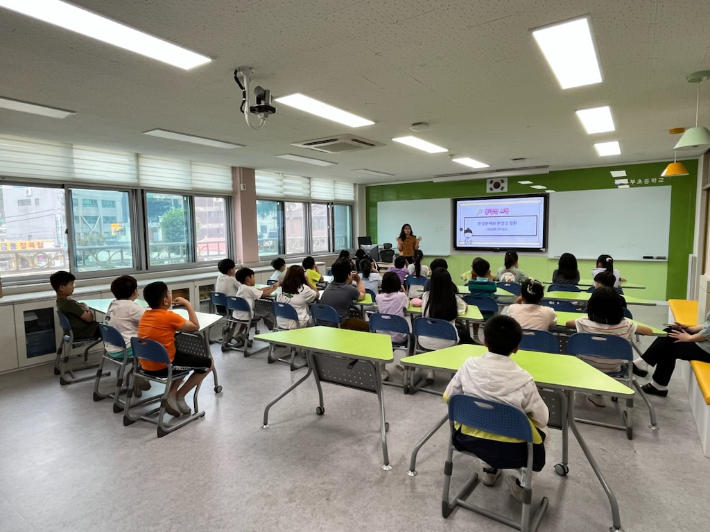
{"x": 500, "y": 223}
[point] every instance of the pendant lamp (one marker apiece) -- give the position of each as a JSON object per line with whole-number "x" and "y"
{"x": 675, "y": 169}
{"x": 695, "y": 137}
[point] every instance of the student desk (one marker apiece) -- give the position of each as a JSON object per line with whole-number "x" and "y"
{"x": 464, "y": 290}
{"x": 341, "y": 357}
{"x": 565, "y": 374}
{"x": 586, "y": 283}
{"x": 365, "y": 302}
{"x": 564, "y": 317}
{"x": 584, "y": 296}
{"x": 186, "y": 342}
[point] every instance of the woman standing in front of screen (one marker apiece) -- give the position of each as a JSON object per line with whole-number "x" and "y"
{"x": 407, "y": 243}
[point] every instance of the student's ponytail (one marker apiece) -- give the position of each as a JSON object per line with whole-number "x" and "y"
{"x": 366, "y": 268}
{"x": 418, "y": 256}
{"x": 511, "y": 257}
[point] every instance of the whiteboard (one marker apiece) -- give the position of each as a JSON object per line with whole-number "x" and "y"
{"x": 625, "y": 223}
{"x": 430, "y": 219}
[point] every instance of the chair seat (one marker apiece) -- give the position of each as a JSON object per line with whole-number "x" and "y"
{"x": 176, "y": 373}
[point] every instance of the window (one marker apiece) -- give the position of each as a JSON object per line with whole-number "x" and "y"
{"x": 269, "y": 216}
{"x": 211, "y": 228}
{"x": 295, "y": 218}
{"x": 343, "y": 226}
{"x": 101, "y": 242}
{"x": 108, "y": 204}
{"x": 168, "y": 228}
{"x": 319, "y": 228}
{"x": 32, "y": 241}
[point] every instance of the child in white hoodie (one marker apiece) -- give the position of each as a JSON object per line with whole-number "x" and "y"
{"x": 496, "y": 377}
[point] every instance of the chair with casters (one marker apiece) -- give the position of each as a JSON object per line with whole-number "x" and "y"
{"x": 559, "y": 306}
{"x": 285, "y": 311}
{"x": 387, "y": 323}
{"x": 428, "y": 328}
{"x": 535, "y": 340}
{"x": 504, "y": 420}
{"x": 618, "y": 348}
{"x": 387, "y": 254}
{"x": 556, "y": 287}
{"x": 239, "y": 304}
{"x": 64, "y": 353}
{"x": 513, "y": 288}
{"x": 145, "y": 349}
{"x": 324, "y": 315}
{"x": 110, "y": 335}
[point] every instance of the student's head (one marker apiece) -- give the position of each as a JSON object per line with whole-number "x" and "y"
{"x": 502, "y": 335}
{"x": 438, "y": 263}
{"x": 157, "y": 295}
{"x": 511, "y": 259}
{"x": 341, "y": 270}
{"x": 294, "y": 279}
{"x": 246, "y": 276}
{"x": 278, "y": 264}
{"x": 406, "y": 231}
{"x": 441, "y": 302}
{"x": 366, "y": 267}
{"x": 418, "y": 257}
{"x": 124, "y": 287}
{"x": 606, "y": 262}
{"x": 604, "y": 278}
{"x": 391, "y": 283}
{"x": 63, "y": 283}
{"x": 360, "y": 254}
{"x": 474, "y": 261}
{"x": 308, "y": 263}
{"x": 605, "y": 306}
{"x": 532, "y": 291}
{"x": 344, "y": 254}
{"x": 568, "y": 264}
{"x": 226, "y": 266}
{"x": 400, "y": 262}
{"x": 481, "y": 268}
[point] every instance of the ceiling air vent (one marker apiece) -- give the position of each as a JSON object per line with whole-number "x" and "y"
{"x": 338, "y": 144}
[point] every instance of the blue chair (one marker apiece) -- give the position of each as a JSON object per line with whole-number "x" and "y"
{"x": 432, "y": 328}
{"x": 145, "y": 349}
{"x": 324, "y": 315}
{"x": 560, "y": 306}
{"x": 271, "y": 281}
{"x": 513, "y": 288}
{"x": 627, "y": 314}
{"x": 618, "y": 348}
{"x": 219, "y": 303}
{"x": 373, "y": 295}
{"x": 413, "y": 280}
{"x": 66, "y": 345}
{"x": 534, "y": 340}
{"x": 386, "y": 323}
{"x": 486, "y": 304}
{"x": 284, "y": 311}
{"x": 239, "y": 304}
{"x": 554, "y": 287}
{"x": 504, "y": 420}
{"x": 110, "y": 335}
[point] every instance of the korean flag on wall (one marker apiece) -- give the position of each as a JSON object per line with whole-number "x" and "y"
{"x": 496, "y": 185}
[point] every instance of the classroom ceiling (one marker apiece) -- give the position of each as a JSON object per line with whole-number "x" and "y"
{"x": 470, "y": 68}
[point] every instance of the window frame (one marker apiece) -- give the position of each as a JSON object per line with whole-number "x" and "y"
{"x": 228, "y": 226}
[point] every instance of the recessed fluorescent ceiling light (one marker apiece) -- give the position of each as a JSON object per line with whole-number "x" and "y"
{"x": 420, "y": 144}
{"x": 623, "y": 186}
{"x": 473, "y": 163}
{"x": 309, "y": 105}
{"x": 596, "y": 120}
{"x": 24, "y": 107}
{"x": 608, "y": 148}
{"x": 525, "y": 182}
{"x": 539, "y": 187}
{"x": 300, "y": 159}
{"x": 365, "y": 171}
{"x": 618, "y": 173}
{"x": 76, "y": 19}
{"x": 569, "y": 50}
{"x": 191, "y": 138}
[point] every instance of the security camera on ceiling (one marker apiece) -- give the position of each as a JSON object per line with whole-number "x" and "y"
{"x": 262, "y": 108}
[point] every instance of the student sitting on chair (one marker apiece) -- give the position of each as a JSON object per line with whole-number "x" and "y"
{"x": 400, "y": 267}
{"x": 606, "y": 263}
{"x": 160, "y": 324}
{"x": 250, "y": 293}
{"x": 341, "y": 293}
{"x": 279, "y": 266}
{"x": 392, "y": 300}
{"x": 80, "y": 317}
{"x": 371, "y": 278}
{"x": 527, "y": 310}
{"x": 296, "y": 292}
{"x": 416, "y": 268}
{"x": 312, "y": 274}
{"x": 436, "y": 263}
{"x": 480, "y": 285}
{"x": 606, "y": 316}
{"x": 471, "y": 274}
{"x": 510, "y": 272}
{"x": 496, "y": 377}
{"x": 566, "y": 272}
{"x": 345, "y": 255}
{"x": 226, "y": 282}
{"x": 606, "y": 278}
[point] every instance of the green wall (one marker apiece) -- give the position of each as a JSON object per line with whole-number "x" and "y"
{"x": 664, "y": 280}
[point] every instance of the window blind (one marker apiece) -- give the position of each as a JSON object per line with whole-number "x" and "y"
{"x": 211, "y": 177}
{"x": 38, "y": 159}
{"x": 344, "y": 191}
{"x": 269, "y": 184}
{"x": 105, "y": 166}
{"x": 295, "y": 186}
{"x": 322, "y": 189}
{"x": 156, "y": 172}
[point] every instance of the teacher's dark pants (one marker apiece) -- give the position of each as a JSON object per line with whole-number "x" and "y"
{"x": 663, "y": 353}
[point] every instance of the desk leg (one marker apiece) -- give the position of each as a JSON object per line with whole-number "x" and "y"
{"x": 413, "y": 460}
{"x": 384, "y": 426}
{"x": 286, "y": 392}
{"x": 206, "y": 338}
{"x": 616, "y": 518}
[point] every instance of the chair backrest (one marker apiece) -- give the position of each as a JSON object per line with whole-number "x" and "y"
{"x": 219, "y": 302}
{"x": 434, "y": 328}
{"x": 149, "y": 350}
{"x": 271, "y": 281}
{"x": 591, "y": 289}
{"x": 285, "y": 311}
{"x": 600, "y": 345}
{"x": 534, "y": 340}
{"x": 324, "y": 313}
{"x": 554, "y": 287}
{"x": 387, "y": 254}
{"x": 561, "y": 306}
{"x": 414, "y": 280}
{"x": 484, "y": 303}
{"x": 64, "y": 322}
{"x": 387, "y": 245}
{"x": 513, "y": 288}
{"x": 490, "y": 416}
{"x": 627, "y": 313}
{"x": 373, "y": 295}
{"x": 110, "y": 335}
{"x": 380, "y": 322}
{"x": 237, "y": 303}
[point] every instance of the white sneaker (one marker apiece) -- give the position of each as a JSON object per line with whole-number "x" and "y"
{"x": 429, "y": 375}
{"x": 490, "y": 476}
{"x": 516, "y": 490}
{"x": 597, "y": 400}
{"x": 183, "y": 406}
